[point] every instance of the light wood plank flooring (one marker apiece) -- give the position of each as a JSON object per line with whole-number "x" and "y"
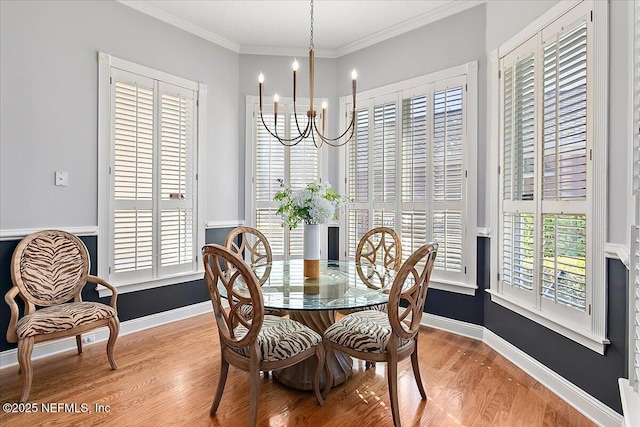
{"x": 167, "y": 376}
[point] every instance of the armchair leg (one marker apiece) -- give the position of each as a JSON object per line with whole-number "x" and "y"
{"x": 224, "y": 370}
{"x": 254, "y": 389}
{"x": 392, "y": 381}
{"x": 25, "y": 348}
{"x": 416, "y": 372}
{"x": 79, "y": 343}
{"x": 114, "y": 329}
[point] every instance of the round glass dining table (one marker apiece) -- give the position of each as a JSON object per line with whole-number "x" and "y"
{"x": 342, "y": 285}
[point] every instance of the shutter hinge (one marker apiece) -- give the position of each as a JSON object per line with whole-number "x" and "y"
{"x": 197, "y": 103}
{"x": 499, "y": 74}
{"x": 590, "y": 304}
{"x": 109, "y": 269}
{"x": 466, "y": 174}
{"x": 110, "y": 80}
{"x": 465, "y": 270}
{"x": 196, "y": 259}
{"x": 109, "y": 170}
{"x": 498, "y": 277}
{"x": 465, "y": 87}
{"x": 499, "y": 170}
{"x": 592, "y": 16}
{"x": 590, "y": 153}
{"x": 345, "y": 180}
{"x": 196, "y": 177}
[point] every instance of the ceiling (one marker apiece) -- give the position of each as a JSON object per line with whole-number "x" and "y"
{"x": 282, "y": 27}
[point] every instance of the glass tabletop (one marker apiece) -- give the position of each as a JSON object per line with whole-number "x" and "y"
{"x": 341, "y": 285}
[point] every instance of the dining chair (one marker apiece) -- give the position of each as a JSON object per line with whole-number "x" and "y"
{"x": 390, "y": 337}
{"x": 49, "y": 269}
{"x": 262, "y": 343}
{"x": 378, "y": 247}
{"x": 252, "y": 246}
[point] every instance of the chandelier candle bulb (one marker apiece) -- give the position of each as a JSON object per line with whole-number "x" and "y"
{"x": 295, "y": 77}
{"x": 354, "y": 76}
{"x": 260, "y": 81}
{"x": 276, "y": 98}
{"x": 324, "y": 114}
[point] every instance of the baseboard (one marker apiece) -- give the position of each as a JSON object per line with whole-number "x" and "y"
{"x": 49, "y": 348}
{"x": 582, "y": 401}
{"x": 454, "y": 326}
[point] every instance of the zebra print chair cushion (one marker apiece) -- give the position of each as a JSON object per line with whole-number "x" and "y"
{"x": 62, "y": 317}
{"x": 280, "y": 338}
{"x": 247, "y": 311}
{"x": 364, "y": 331}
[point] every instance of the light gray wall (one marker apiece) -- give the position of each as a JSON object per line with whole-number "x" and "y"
{"x": 443, "y": 44}
{"x": 49, "y": 86}
{"x": 279, "y": 78}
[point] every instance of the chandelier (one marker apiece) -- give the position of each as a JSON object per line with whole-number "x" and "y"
{"x": 311, "y": 127}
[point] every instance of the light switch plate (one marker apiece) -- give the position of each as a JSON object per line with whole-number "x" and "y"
{"x": 62, "y": 178}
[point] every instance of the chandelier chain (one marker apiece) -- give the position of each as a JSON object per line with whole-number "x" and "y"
{"x": 311, "y": 32}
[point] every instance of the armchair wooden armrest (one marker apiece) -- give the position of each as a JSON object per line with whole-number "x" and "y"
{"x": 10, "y": 297}
{"x": 99, "y": 281}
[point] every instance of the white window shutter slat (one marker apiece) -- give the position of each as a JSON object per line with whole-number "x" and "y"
{"x": 384, "y": 152}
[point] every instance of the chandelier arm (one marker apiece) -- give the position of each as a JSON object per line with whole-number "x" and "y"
{"x": 313, "y": 138}
{"x": 330, "y": 140}
{"x": 284, "y": 141}
{"x": 295, "y": 116}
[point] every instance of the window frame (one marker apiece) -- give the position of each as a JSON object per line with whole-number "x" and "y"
{"x": 285, "y": 107}
{"x": 398, "y": 91}
{"x": 105, "y": 159}
{"x": 593, "y": 336}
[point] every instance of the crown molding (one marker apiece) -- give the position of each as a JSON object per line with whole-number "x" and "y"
{"x": 162, "y": 15}
{"x": 409, "y": 25}
{"x": 393, "y": 31}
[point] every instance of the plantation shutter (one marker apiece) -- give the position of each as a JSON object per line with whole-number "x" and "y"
{"x": 517, "y": 167}
{"x": 634, "y": 268}
{"x": 153, "y": 173}
{"x": 564, "y": 168}
{"x": 415, "y": 184}
{"x": 269, "y": 168}
{"x": 132, "y": 174}
{"x": 177, "y": 135}
{"x": 358, "y": 182}
{"x": 448, "y": 170}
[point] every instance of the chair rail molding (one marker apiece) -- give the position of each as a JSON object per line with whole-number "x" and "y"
{"x": 19, "y": 233}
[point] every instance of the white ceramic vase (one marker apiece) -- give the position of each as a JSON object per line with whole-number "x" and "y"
{"x": 312, "y": 250}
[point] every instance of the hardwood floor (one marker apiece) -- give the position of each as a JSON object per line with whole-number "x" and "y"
{"x": 167, "y": 376}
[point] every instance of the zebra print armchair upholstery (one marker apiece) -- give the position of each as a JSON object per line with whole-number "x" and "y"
{"x": 262, "y": 343}
{"x": 49, "y": 270}
{"x": 388, "y": 337}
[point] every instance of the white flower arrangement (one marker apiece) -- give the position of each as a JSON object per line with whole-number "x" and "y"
{"x": 317, "y": 203}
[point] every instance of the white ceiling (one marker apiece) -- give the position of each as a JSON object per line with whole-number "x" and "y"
{"x": 282, "y": 27}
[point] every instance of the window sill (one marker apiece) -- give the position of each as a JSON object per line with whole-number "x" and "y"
{"x": 585, "y": 338}
{"x": 450, "y": 286}
{"x": 156, "y": 283}
{"x": 630, "y": 403}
